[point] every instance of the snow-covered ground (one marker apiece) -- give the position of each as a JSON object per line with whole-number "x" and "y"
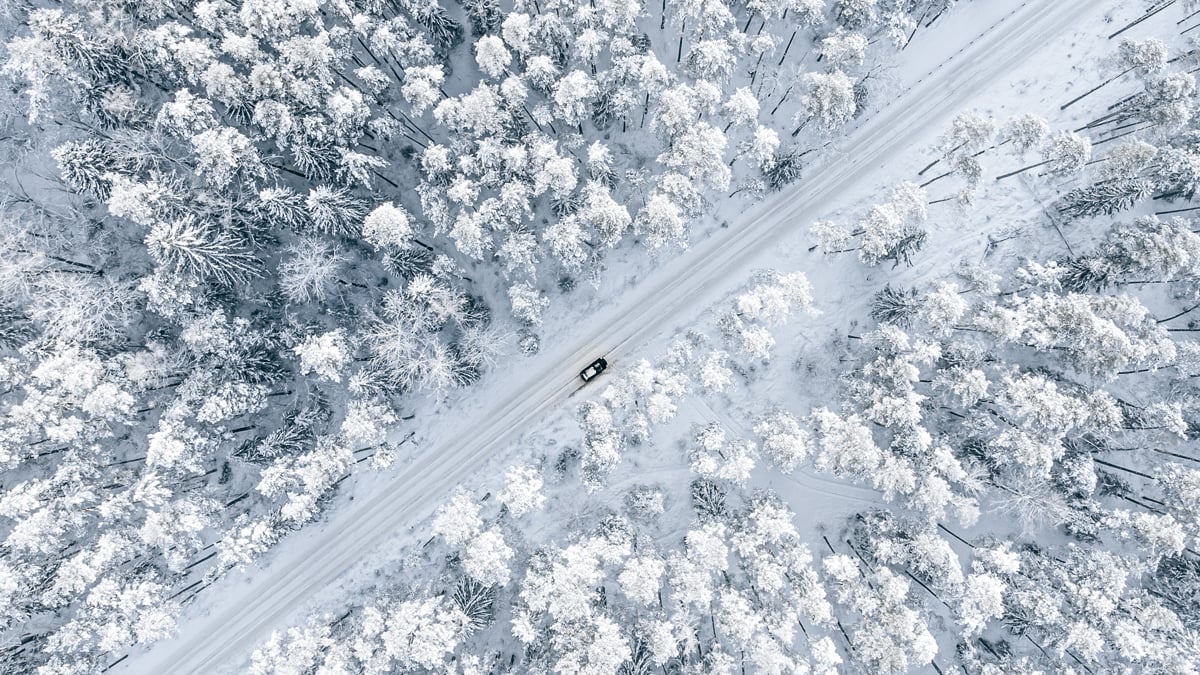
{"x": 952, "y": 70}
{"x": 979, "y": 236}
{"x": 907, "y": 387}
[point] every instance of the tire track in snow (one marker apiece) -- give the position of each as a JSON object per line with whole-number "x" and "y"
{"x": 242, "y": 616}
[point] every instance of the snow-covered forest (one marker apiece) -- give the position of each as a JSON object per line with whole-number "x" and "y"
{"x": 260, "y": 257}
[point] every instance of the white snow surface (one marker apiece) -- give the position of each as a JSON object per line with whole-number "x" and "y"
{"x": 938, "y": 76}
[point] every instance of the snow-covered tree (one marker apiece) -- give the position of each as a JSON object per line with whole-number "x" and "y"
{"x": 487, "y": 558}
{"x": 312, "y": 271}
{"x": 891, "y": 637}
{"x": 784, "y": 441}
{"x": 325, "y": 355}
{"x": 523, "y": 490}
{"x": 829, "y": 99}
{"x": 714, "y": 456}
{"x": 492, "y": 56}
{"x": 527, "y": 303}
{"x": 388, "y": 226}
{"x": 191, "y": 247}
{"x": 458, "y": 521}
{"x": 843, "y": 49}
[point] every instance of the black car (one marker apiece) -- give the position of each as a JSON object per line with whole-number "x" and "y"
{"x": 595, "y": 368}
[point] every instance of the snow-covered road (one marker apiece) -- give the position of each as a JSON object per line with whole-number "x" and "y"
{"x": 222, "y": 640}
